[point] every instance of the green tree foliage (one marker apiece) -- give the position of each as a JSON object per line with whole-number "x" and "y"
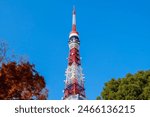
{"x": 21, "y": 81}
{"x": 131, "y": 87}
{"x": 98, "y": 98}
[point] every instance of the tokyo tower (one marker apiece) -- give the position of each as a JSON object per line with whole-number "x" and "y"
{"x": 74, "y": 83}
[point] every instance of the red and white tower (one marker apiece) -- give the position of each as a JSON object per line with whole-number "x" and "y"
{"x": 74, "y": 83}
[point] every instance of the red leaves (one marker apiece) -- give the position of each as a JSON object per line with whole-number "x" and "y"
{"x": 21, "y": 81}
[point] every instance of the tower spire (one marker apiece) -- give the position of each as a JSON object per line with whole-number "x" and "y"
{"x": 74, "y": 19}
{"x": 74, "y": 30}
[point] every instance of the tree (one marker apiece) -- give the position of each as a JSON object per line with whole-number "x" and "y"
{"x": 21, "y": 81}
{"x": 6, "y": 55}
{"x": 3, "y": 51}
{"x": 131, "y": 87}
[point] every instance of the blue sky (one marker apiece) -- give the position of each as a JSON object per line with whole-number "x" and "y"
{"x": 114, "y": 35}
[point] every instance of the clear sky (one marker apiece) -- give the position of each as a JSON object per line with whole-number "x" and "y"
{"x": 114, "y": 35}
